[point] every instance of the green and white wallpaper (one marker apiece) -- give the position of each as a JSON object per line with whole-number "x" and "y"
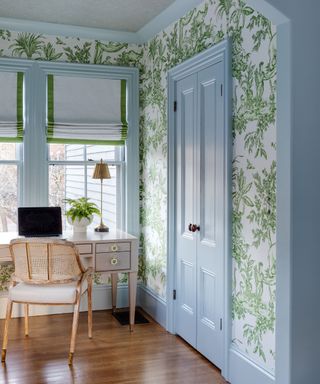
{"x": 254, "y": 147}
{"x": 254, "y": 159}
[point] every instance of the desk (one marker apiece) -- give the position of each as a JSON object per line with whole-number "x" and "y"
{"x": 112, "y": 252}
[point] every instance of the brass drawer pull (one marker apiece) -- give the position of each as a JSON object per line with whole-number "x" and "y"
{"x": 114, "y": 248}
{"x": 114, "y": 261}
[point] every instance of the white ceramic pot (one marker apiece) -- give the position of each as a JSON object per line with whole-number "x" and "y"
{"x": 80, "y": 225}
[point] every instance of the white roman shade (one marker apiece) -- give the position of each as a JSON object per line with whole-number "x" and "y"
{"x": 11, "y": 106}
{"x": 86, "y": 110}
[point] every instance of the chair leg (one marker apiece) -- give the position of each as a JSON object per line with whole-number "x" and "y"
{"x": 26, "y": 319}
{"x": 74, "y": 329}
{"x": 89, "y": 292}
{"x": 6, "y": 330}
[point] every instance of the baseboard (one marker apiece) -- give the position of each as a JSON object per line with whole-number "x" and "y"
{"x": 101, "y": 299}
{"x": 154, "y": 305}
{"x": 244, "y": 371}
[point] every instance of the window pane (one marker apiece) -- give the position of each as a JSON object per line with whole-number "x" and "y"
{"x": 56, "y": 152}
{"x": 8, "y": 151}
{"x": 105, "y": 152}
{"x": 76, "y": 152}
{"x": 68, "y": 181}
{"x": 65, "y": 181}
{"x": 70, "y": 152}
{"x": 8, "y": 197}
{"x": 111, "y": 196}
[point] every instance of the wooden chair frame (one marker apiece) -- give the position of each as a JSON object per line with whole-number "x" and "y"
{"x": 85, "y": 274}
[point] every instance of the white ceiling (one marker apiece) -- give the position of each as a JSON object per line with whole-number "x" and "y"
{"x": 118, "y": 15}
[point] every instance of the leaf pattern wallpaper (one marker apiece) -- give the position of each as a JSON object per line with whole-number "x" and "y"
{"x": 254, "y": 148}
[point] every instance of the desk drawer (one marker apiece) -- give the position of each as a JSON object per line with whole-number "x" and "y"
{"x": 112, "y": 261}
{"x": 87, "y": 261}
{"x": 112, "y": 247}
{"x": 84, "y": 248}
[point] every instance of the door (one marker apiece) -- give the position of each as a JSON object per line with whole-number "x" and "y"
{"x": 200, "y": 210}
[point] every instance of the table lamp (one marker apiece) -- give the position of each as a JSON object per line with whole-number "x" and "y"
{"x": 101, "y": 171}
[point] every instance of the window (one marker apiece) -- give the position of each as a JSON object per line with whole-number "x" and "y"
{"x": 70, "y": 176}
{"x": 11, "y": 133}
{"x": 56, "y": 164}
{"x": 10, "y": 170}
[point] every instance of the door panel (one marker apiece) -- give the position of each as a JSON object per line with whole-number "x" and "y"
{"x": 200, "y": 151}
{"x": 207, "y": 153}
{"x": 210, "y": 189}
{"x": 207, "y": 303}
{"x": 186, "y": 313}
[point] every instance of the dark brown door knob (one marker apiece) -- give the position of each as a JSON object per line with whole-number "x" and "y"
{"x": 193, "y": 227}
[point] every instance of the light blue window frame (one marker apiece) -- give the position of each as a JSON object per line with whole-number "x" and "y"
{"x": 33, "y": 168}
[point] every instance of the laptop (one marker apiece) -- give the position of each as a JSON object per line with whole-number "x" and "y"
{"x": 39, "y": 221}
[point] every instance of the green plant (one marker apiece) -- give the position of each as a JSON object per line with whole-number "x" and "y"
{"x": 81, "y": 208}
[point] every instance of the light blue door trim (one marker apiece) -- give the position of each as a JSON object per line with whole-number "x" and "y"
{"x": 199, "y": 62}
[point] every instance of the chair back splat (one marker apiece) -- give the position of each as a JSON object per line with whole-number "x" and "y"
{"x": 41, "y": 261}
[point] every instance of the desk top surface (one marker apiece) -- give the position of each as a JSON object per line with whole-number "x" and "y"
{"x": 78, "y": 237}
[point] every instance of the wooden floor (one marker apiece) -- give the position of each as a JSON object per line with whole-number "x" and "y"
{"x": 148, "y": 355}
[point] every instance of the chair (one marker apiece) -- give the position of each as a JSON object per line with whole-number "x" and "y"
{"x": 48, "y": 272}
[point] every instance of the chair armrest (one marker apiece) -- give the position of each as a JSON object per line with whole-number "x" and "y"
{"x": 87, "y": 273}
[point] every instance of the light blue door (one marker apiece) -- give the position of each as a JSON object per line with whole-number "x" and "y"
{"x": 200, "y": 202}
{"x": 186, "y": 152}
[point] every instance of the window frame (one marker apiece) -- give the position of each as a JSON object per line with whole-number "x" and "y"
{"x": 34, "y": 165}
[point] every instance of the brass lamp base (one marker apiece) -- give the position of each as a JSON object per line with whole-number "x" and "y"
{"x": 101, "y": 228}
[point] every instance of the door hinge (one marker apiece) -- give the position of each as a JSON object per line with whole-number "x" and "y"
{"x": 174, "y": 294}
{"x": 174, "y": 106}
{"x": 221, "y": 88}
{"x": 220, "y": 324}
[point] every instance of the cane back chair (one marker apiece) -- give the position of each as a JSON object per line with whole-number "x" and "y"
{"x": 48, "y": 272}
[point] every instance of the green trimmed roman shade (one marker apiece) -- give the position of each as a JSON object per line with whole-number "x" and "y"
{"x": 11, "y": 106}
{"x": 86, "y": 110}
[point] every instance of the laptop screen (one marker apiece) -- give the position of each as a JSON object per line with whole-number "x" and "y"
{"x": 39, "y": 221}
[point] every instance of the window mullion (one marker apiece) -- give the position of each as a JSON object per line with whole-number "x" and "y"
{"x": 10, "y": 162}
{"x": 77, "y": 162}
{"x": 35, "y": 173}
{"x": 85, "y": 171}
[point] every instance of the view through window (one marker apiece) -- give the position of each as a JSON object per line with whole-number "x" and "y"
{"x": 70, "y": 176}
{"x": 9, "y": 181}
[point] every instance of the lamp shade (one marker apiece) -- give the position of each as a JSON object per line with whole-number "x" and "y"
{"x": 101, "y": 171}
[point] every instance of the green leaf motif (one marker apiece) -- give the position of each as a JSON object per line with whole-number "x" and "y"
{"x": 49, "y": 53}
{"x": 79, "y": 54}
{"x": 254, "y": 59}
{"x": 27, "y": 44}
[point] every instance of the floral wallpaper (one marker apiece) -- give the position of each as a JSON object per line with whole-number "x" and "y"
{"x": 254, "y": 159}
{"x": 254, "y": 148}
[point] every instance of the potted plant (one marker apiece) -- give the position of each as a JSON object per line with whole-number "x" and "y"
{"x": 80, "y": 213}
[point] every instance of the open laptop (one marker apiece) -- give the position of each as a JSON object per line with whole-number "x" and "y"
{"x": 39, "y": 221}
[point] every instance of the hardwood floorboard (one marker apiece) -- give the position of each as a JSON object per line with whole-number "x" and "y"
{"x": 149, "y": 355}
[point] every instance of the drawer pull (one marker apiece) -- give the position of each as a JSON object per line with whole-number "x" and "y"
{"x": 114, "y": 248}
{"x": 114, "y": 261}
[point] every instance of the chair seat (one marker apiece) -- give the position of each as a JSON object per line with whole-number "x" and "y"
{"x": 46, "y": 293}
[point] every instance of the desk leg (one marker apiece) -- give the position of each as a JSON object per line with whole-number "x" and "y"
{"x": 132, "y": 297}
{"x": 114, "y": 284}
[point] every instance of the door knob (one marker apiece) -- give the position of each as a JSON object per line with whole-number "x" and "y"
{"x": 193, "y": 227}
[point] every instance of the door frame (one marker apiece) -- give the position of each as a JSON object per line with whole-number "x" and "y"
{"x": 220, "y": 51}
